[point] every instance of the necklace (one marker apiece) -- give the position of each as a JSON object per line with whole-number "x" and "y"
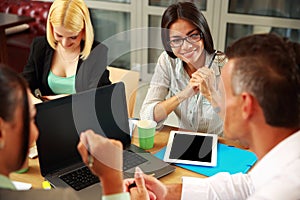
{"x": 68, "y": 57}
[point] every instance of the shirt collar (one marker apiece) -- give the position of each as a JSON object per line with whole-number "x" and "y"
{"x": 6, "y": 183}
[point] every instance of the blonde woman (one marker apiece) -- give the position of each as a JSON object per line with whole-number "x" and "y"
{"x": 55, "y": 61}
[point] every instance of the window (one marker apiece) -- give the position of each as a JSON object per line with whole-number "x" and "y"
{"x": 124, "y": 23}
{"x": 107, "y": 28}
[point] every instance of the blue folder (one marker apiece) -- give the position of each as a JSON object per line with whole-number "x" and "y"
{"x": 229, "y": 159}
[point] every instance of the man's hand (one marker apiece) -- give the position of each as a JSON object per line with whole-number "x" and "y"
{"x": 145, "y": 187}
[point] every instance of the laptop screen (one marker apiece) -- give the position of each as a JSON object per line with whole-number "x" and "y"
{"x": 61, "y": 121}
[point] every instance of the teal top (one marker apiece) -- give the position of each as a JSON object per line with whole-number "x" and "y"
{"x": 61, "y": 85}
{"x": 5, "y": 183}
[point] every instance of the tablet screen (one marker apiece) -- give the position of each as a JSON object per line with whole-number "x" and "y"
{"x": 191, "y": 148}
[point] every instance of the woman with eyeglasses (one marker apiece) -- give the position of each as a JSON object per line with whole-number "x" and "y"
{"x": 187, "y": 72}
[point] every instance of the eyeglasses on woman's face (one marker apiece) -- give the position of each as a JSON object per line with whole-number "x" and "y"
{"x": 178, "y": 42}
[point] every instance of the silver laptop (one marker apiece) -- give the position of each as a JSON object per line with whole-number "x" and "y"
{"x": 60, "y": 123}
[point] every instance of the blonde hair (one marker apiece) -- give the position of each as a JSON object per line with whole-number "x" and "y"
{"x": 74, "y": 16}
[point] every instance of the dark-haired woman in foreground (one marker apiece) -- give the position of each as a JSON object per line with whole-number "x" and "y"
{"x": 18, "y": 130}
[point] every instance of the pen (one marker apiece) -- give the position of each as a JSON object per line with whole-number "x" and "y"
{"x": 131, "y": 185}
{"x": 134, "y": 184}
{"x": 38, "y": 95}
{"x": 90, "y": 157}
{"x": 212, "y": 60}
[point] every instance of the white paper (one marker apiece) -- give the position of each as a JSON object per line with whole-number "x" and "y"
{"x": 22, "y": 185}
{"x": 33, "y": 152}
{"x": 132, "y": 124}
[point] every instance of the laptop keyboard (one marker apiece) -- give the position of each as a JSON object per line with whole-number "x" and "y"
{"x": 80, "y": 178}
{"x": 83, "y": 177}
{"x": 131, "y": 159}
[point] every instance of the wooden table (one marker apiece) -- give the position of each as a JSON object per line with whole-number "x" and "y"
{"x": 7, "y": 21}
{"x": 34, "y": 177}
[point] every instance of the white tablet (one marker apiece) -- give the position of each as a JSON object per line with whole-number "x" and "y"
{"x": 192, "y": 148}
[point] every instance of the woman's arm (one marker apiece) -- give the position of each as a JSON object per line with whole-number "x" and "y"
{"x": 158, "y": 90}
{"x": 155, "y": 105}
{"x": 38, "y": 66}
{"x": 29, "y": 72}
{"x": 164, "y": 108}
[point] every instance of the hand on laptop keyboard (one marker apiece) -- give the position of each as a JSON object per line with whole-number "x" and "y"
{"x": 108, "y": 160}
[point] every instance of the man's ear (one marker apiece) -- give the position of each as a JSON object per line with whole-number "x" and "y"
{"x": 247, "y": 105}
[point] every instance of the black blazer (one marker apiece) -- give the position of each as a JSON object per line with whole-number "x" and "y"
{"x": 88, "y": 74}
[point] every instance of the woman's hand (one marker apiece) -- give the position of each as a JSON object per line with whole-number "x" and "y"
{"x": 34, "y": 100}
{"x": 204, "y": 81}
{"x": 105, "y": 159}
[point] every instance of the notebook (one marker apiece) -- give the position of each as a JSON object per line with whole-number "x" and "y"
{"x": 60, "y": 122}
{"x": 230, "y": 159}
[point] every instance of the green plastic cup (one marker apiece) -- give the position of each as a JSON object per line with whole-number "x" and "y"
{"x": 146, "y": 132}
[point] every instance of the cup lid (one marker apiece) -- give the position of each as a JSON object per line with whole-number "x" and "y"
{"x": 146, "y": 124}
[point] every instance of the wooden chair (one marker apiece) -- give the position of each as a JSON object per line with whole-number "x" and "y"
{"x": 131, "y": 82}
